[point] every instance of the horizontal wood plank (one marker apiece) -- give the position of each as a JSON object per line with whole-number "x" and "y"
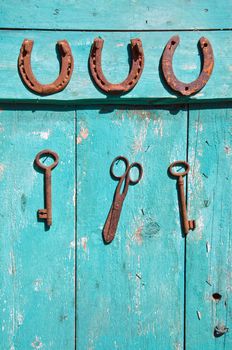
{"x": 150, "y": 89}
{"x": 120, "y": 15}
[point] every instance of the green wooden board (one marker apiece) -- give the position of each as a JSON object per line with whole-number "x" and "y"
{"x": 116, "y": 15}
{"x": 149, "y": 90}
{"x": 209, "y": 253}
{"x": 130, "y": 293}
{"x": 37, "y": 295}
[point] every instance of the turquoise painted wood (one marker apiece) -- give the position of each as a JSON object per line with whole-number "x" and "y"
{"x": 209, "y": 253}
{"x": 37, "y": 267}
{"x": 116, "y": 15}
{"x": 130, "y": 293}
{"x": 150, "y": 288}
{"x": 149, "y": 90}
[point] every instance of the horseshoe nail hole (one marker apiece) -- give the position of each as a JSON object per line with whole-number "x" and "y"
{"x": 186, "y": 88}
{"x": 216, "y": 296}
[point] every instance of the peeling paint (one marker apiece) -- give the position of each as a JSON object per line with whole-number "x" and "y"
{"x": 12, "y": 267}
{"x": 140, "y": 137}
{"x": 198, "y": 126}
{"x": 37, "y": 344}
{"x": 138, "y": 235}
{"x": 2, "y": 169}
{"x": 42, "y": 134}
{"x": 37, "y": 284}
{"x": 158, "y": 129}
{"x": 84, "y": 241}
{"x": 71, "y": 249}
{"x": 228, "y": 150}
{"x": 83, "y": 135}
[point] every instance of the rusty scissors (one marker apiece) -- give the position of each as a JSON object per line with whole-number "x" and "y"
{"x": 112, "y": 220}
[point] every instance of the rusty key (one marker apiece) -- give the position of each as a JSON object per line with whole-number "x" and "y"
{"x": 186, "y": 224}
{"x": 46, "y": 213}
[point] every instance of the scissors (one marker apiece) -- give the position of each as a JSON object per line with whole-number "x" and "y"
{"x": 112, "y": 220}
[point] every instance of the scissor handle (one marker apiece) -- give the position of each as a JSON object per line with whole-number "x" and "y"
{"x": 140, "y": 169}
{"x": 125, "y": 161}
{"x": 182, "y": 163}
{"x": 127, "y": 170}
{"x": 48, "y": 153}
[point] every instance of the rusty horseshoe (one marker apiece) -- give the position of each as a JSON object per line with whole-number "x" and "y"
{"x": 27, "y": 76}
{"x": 206, "y": 71}
{"x": 137, "y": 64}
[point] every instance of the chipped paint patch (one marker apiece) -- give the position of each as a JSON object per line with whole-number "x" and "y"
{"x": 71, "y": 249}
{"x": 37, "y": 284}
{"x": 84, "y": 241}
{"x": 2, "y": 169}
{"x": 158, "y": 129}
{"x": 140, "y": 137}
{"x": 83, "y": 135}
{"x": 189, "y": 66}
{"x": 138, "y": 235}
{"x": 74, "y": 197}
{"x": 12, "y": 267}
{"x": 37, "y": 344}
{"x": 20, "y": 319}
{"x": 227, "y": 150}
{"x": 199, "y": 227}
{"x": 42, "y": 134}
{"x": 198, "y": 126}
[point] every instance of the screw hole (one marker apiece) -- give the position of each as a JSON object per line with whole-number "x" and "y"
{"x": 186, "y": 88}
{"x": 205, "y": 45}
{"x": 216, "y": 296}
{"x": 173, "y": 42}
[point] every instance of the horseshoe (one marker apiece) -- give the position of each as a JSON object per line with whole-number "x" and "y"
{"x": 27, "y": 76}
{"x": 206, "y": 71}
{"x": 137, "y": 64}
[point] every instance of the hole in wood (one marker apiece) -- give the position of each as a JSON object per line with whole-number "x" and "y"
{"x": 216, "y": 296}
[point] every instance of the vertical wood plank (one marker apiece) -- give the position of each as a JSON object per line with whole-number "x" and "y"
{"x": 130, "y": 292}
{"x": 36, "y": 266}
{"x": 209, "y": 254}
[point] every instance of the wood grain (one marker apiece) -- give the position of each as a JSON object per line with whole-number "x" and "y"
{"x": 149, "y": 90}
{"x": 36, "y": 266}
{"x": 116, "y": 15}
{"x": 130, "y": 292}
{"x": 209, "y": 253}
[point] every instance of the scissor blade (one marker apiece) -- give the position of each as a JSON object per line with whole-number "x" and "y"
{"x": 111, "y": 224}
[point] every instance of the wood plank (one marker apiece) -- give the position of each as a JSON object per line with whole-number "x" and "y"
{"x": 120, "y": 15}
{"x": 209, "y": 253}
{"x": 149, "y": 90}
{"x": 129, "y": 293}
{"x": 36, "y": 266}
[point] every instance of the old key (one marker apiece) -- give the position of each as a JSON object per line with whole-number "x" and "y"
{"x": 46, "y": 213}
{"x": 125, "y": 180}
{"x": 186, "y": 224}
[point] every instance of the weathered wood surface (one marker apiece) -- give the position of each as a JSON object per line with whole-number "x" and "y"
{"x": 130, "y": 293}
{"x": 149, "y": 89}
{"x": 209, "y": 255}
{"x": 116, "y": 15}
{"x": 36, "y": 266}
